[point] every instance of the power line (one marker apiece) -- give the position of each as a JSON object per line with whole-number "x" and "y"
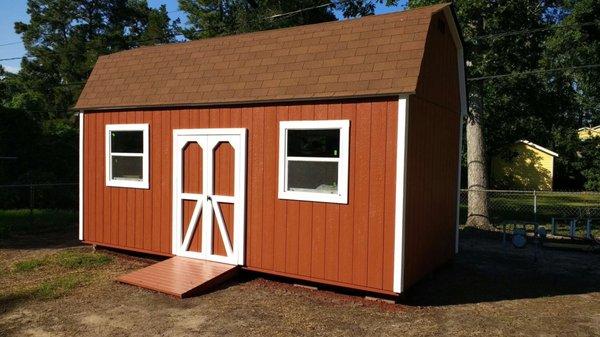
{"x": 534, "y": 30}
{"x": 12, "y": 58}
{"x": 276, "y": 16}
{"x": 534, "y": 71}
{"x": 10, "y": 43}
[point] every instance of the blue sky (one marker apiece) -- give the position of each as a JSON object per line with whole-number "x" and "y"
{"x": 16, "y": 10}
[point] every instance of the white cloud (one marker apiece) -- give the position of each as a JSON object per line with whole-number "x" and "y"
{"x": 11, "y": 69}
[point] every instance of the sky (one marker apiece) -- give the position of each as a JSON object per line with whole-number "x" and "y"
{"x": 12, "y": 11}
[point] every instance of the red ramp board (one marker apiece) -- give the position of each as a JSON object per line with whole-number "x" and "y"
{"x": 180, "y": 277}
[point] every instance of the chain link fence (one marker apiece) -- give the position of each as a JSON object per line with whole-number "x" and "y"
{"x": 563, "y": 213}
{"x": 43, "y": 208}
{"x": 30, "y": 209}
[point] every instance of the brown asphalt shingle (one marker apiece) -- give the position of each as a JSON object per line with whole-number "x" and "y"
{"x": 374, "y": 55}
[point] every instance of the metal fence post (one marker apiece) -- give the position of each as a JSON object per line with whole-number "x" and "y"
{"x": 534, "y": 206}
{"x": 31, "y": 196}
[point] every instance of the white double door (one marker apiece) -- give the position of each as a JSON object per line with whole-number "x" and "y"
{"x": 200, "y": 229}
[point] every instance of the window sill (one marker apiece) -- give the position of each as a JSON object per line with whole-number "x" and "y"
{"x": 313, "y": 196}
{"x": 128, "y": 184}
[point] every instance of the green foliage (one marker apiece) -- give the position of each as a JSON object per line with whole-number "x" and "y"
{"x": 588, "y": 163}
{"x": 208, "y": 18}
{"x": 544, "y": 108}
{"x": 63, "y": 39}
{"x": 578, "y": 43}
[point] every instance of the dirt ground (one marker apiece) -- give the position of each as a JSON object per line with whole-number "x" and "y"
{"x": 488, "y": 290}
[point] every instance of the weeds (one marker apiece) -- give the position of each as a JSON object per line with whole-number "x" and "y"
{"x": 28, "y": 265}
{"x": 69, "y": 259}
{"x": 60, "y": 273}
{"x": 60, "y": 286}
{"x": 73, "y": 259}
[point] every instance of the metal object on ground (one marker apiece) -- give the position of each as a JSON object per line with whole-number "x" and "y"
{"x": 519, "y": 239}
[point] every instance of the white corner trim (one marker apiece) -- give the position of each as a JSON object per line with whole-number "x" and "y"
{"x": 400, "y": 214}
{"x": 145, "y": 182}
{"x": 460, "y": 139}
{"x": 538, "y": 147}
{"x": 81, "y": 175}
{"x": 460, "y": 58}
{"x": 341, "y": 197}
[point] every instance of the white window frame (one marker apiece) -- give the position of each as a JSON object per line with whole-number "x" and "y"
{"x": 144, "y": 183}
{"x": 342, "y": 195}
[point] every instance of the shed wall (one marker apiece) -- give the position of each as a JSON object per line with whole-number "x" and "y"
{"x": 432, "y": 157}
{"x": 431, "y": 188}
{"x": 350, "y": 245}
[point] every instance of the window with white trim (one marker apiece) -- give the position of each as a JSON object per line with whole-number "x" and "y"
{"x": 313, "y": 160}
{"x": 127, "y": 152}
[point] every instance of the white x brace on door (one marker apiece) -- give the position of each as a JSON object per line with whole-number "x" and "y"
{"x": 207, "y": 204}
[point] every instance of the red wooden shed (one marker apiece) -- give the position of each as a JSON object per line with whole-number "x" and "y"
{"x": 327, "y": 153}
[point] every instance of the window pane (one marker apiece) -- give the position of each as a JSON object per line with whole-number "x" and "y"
{"x": 313, "y": 143}
{"x": 310, "y": 176}
{"x": 127, "y": 168}
{"x": 127, "y": 141}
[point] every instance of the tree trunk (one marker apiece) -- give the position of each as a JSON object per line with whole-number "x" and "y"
{"x": 477, "y": 179}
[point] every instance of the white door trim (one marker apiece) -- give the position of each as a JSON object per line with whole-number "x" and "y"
{"x": 208, "y": 204}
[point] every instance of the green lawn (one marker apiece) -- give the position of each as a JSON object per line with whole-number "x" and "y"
{"x": 23, "y": 221}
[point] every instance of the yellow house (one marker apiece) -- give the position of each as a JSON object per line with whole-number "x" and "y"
{"x": 524, "y": 166}
{"x": 588, "y": 132}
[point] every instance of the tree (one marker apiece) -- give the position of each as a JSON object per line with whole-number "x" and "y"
{"x": 588, "y": 163}
{"x": 577, "y": 42}
{"x": 63, "y": 39}
{"x": 208, "y": 18}
{"x": 501, "y": 111}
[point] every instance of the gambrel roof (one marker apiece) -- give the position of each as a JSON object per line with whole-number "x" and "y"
{"x": 370, "y": 56}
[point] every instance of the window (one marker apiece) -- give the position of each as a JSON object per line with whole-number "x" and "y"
{"x": 127, "y": 155}
{"x": 313, "y": 160}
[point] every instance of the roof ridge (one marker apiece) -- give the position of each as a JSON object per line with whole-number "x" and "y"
{"x": 433, "y": 9}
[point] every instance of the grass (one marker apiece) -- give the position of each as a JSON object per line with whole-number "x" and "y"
{"x": 67, "y": 259}
{"x": 40, "y": 221}
{"x": 72, "y": 259}
{"x": 55, "y": 275}
{"x": 60, "y": 286}
{"x": 28, "y": 265}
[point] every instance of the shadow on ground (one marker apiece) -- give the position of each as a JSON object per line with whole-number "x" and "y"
{"x": 485, "y": 270}
{"x": 58, "y": 239}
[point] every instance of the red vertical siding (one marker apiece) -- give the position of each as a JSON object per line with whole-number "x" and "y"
{"x": 349, "y": 245}
{"x": 432, "y": 157}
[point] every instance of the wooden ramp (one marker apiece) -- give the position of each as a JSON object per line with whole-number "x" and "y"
{"x": 180, "y": 277}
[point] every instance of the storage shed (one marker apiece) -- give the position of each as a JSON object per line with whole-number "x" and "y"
{"x": 327, "y": 153}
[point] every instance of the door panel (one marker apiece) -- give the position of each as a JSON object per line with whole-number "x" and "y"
{"x": 192, "y": 168}
{"x": 209, "y": 194}
{"x": 224, "y": 176}
{"x": 188, "y": 210}
{"x": 226, "y": 210}
{"x": 224, "y": 168}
